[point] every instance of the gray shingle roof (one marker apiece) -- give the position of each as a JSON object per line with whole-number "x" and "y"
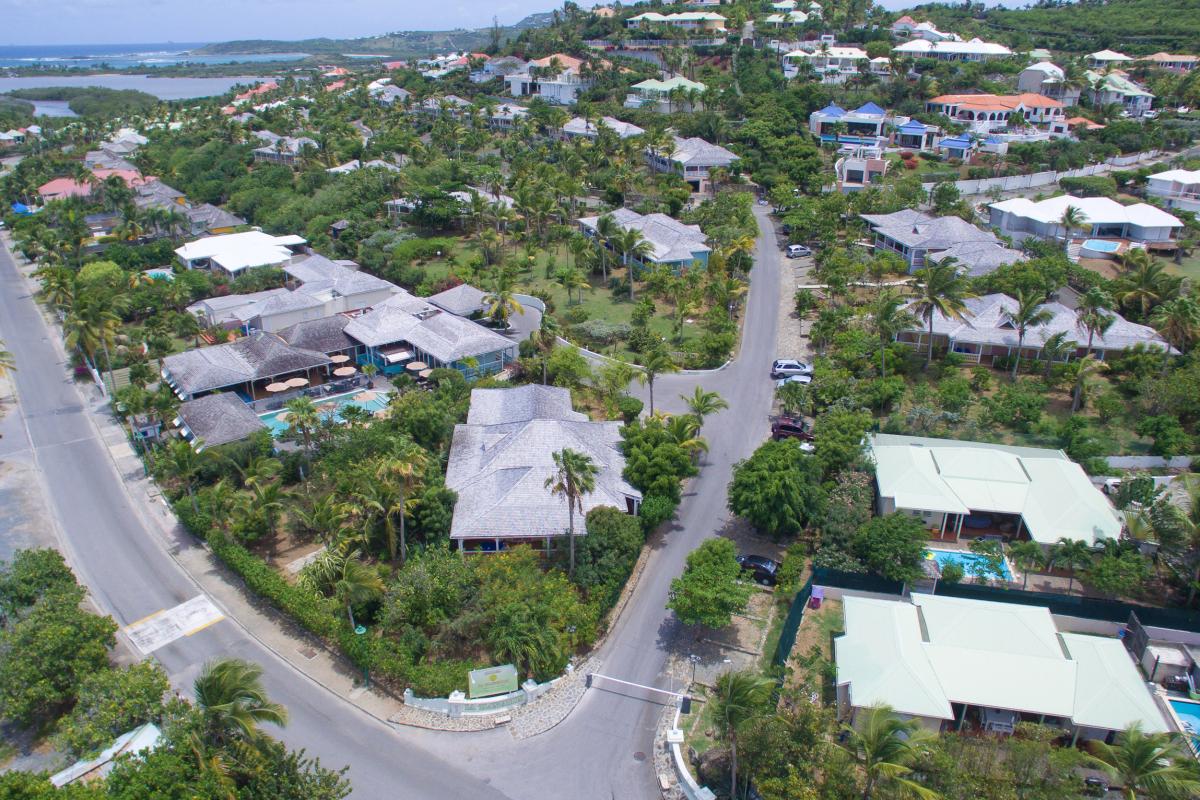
{"x": 672, "y": 240}
{"x": 979, "y": 258}
{"x": 446, "y": 337}
{"x": 500, "y": 459}
{"x": 209, "y": 217}
{"x": 259, "y": 355}
{"x": 319, "y": 275}
{"x": 696, "y": 152}
{"x": 324, "y": 335}
{"x": 463, "y": 300}
{"x": 219, "y": 419}
{"x": 932, "y": 233}
{"x": 157, "y": 194}
{"x": 986, "y": 320}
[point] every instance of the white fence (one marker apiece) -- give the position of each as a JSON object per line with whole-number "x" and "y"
{"x": 691, "y": 789}
{"x": 459, "y": 705}
{"x": 1036, "y": 180}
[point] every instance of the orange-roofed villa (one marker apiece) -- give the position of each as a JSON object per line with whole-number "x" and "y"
{"x": 988, "y": 113}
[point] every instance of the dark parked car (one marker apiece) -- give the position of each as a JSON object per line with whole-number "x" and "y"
{"x": 764, "y": 569}
{"x": 791, "y": 428}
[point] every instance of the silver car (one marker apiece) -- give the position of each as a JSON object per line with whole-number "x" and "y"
{"x": 783, "y": 367}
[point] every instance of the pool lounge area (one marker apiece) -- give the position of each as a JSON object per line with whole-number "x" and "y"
{"x": 1187, "y": 712}
{"x": 1099, "y": 248}
{"x": 367, "y": 399}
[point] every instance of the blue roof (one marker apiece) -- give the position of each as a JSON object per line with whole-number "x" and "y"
{"x": 833, "y": 110}
{"x": 913, "y": 126}
{"x": 21, "y": 208}
{"x": 959, "y": 142}
{"x": 870, "y": 108}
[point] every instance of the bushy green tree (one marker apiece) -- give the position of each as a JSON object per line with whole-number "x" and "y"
{"x": 111, "y": 702}
{"x": 892, "y": 546}
{"x": 605, "y": 557}
{"x": 655, "y": 463}
{"x": 778, "y": 489}
{"x": 712, "y": 587}
{"x": 838, "y": 437}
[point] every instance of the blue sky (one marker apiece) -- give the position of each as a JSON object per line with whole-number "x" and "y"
{"x": 32, "y": 22}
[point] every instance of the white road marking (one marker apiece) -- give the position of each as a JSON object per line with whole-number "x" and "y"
{"x": 163, "y": 627}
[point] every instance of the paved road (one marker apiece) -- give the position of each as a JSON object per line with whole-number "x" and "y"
{"x": 604, "y": 748}
{"x": 131, "y": 575}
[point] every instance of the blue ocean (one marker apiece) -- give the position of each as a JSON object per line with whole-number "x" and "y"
{"x": 120, "y": 56}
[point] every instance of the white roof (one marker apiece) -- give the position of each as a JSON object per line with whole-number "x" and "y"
{"x": 235, "y": 252}
{"x": 1178, "y": 176}
{"x": 832, "y": 52}
{"x": 1109, "y": 55}
{"x": 921, "y": 656}
{"x": 973, "y": 47}
{"x": 1096, "y": 211}
{"x": 141, "y": 738}
{"x": 1109, "y": 692}
{"x": 1052, "y": 494}
{"x": 1050, "y": 70}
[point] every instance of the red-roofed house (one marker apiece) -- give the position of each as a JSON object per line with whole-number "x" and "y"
{"x": 990, "y": 112}
{"x": 333, "y": 87}
{"x": 395, "y": 64}
{"x": 59, "y": 188}
{"x": 131, "y": 177}
{"x": 261, "y": 89}
{"x": 336, "y": 72}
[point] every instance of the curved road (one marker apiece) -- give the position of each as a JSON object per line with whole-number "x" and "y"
{"x": 602, "y": 750}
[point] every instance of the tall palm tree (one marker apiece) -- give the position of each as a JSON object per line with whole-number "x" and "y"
{"x": 501, "y": 301}
{"x": 231, "y": 697}
{"x": 701, "y": 403}
{"x": 574, "y": 476}
{"x": 1178, "y": 321}
{"x": 940, "y": 290}
{"x": 303, "y": 418}
{"x": 884, "y": 746}
{"x": 657, "y": 362}
{"x": 1094, "y": 313}
{"x": 403, "y": 474}
{"x": 1145, "y": 283}
{"x": 738, "y": 696}
{"x": 1072, "y": 554}
{"x": 1072, "y": 219}
{"x": 182, "y": 463}
{"x": 1028, "y": 314}
{"x": 92, "y": 328}
{"x": 1081, "y": 373}
{"x": 1054, "y": 348}
{"x": 684, "y": 430}
{"x": 356, "y": 584}
{"x": 890, "y": 317}
{"x": 633, "y": 245}
{"x": 1152, "y": 764}
{"x": 1027, "y": 555}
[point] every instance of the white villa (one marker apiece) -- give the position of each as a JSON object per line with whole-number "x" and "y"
{"x": 1048, "y": 80}
{"x": 665, "y": 96}
{"x": 561, "y": 88}
{"x": 697, "y": 21}
{"x": 1116, "y": 87}
{"x": 234, "y": 253}
{"x": 834, "y": 64}
{"x": 947, "y": 661}
{"x": 1022, "y": 492}
{"x": 578, "y": 127}
{"x": 692, "y": 159}
{"x": 953, "y": 50}
{"x": 1103, "y": 218}
{"x": 1107, "y": 58}
{"x": 1176, "y": 188}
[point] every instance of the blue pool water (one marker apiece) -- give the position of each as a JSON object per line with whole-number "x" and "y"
{"x": 1189, "y": 714}
{"x": 966, "y": 561}
{"x": 1100, "y": 246}
{"x": 380, "y": 401}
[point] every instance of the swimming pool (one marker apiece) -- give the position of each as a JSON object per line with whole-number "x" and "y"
{"x": 1098, "y": 248}
{"x": 368, "y": 399}
{"x": 1189, "y": 714}
{"x": 967, "y": 560}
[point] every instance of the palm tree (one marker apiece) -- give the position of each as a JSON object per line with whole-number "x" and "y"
{"x": 685, "y": 432}
{"x": 1072, "y": 219}
{"x": 633, "y": 244}
{"x": 1093, "y": 313}
{"x": 1054, "y": 348}
{"x": 514, "y": 635}
{"x": 501, "y": 302}
{"x": 702, "y": 403}
{"x": 890, "y": 317}
{"x": 182, "y": 463}
{"x": 1152, "y": 764}
{"x": 92, "y": 328}
{"x": 1072, "y": 554}
{"x": 231, "y": 697}
{"x": 303, "y": 418}
{"x": 1026, "y": 555}
{"x": 326, "y": 517}
{"x": 1145, "y": 283}
{"x": 1081, "y": 373}
{"x": 1028, "y": 314}
{"x": 738, "y": 696}
{"x": 940, "y": 290}
{"x": 1178, "y": 321}
{"x": 574, "y": 476}
{"x": 884, "y": 746}
{"x": 401, "y": 474}
{"x": 356, "y": 584}
{"x": 657, "y": 362}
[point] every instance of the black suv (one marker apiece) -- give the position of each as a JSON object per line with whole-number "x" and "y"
{"x": 764, "y": 569}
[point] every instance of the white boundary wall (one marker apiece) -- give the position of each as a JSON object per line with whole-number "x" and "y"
{"x": 1040, "y": 179}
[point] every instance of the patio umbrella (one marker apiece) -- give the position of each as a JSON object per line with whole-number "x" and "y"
{"x": 424, "y": 374}
{"x": 416, "y": 366}
{"x": 277, "y": 387}
{"x": 296, "y": 383}
{"x": 283, "y": 416}
{"x": 344, "y": 372}
{"x": 366, "y": 397}
{"x": 340, "y": 358}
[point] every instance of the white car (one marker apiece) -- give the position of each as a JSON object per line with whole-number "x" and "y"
{"x": 783, "y": 367}
{"x": 803, "y": 380}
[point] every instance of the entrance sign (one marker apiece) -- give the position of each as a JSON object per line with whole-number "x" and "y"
{"x": 492, "y": 680}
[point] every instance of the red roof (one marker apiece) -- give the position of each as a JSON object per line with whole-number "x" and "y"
{"x": 333, "y": 87}
{"x": 64, "y": 187}
{"x": 262, "y": 88}
{"x": 395, "y": 64}
{"x": 131, "y": 177}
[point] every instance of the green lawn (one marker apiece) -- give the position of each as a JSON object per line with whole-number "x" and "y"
{"x": 1189, "y": 266}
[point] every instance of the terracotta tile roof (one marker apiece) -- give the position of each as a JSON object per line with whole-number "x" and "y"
{"x": 997, "y": 102}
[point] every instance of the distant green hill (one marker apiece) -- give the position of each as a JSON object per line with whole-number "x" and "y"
{"x": 1133, "y": 26}
{"x": 401, "y": 44}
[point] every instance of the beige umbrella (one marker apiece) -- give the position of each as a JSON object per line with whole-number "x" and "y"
{"x": 344, "y": 372}
{"x": 340, "y": 358}
{"x": 296, "y": 383}
{"x": 416, "y": 366}
{"x": 366, "y": 397}
{"x": 283, "y": 416}
{"x": 277, "y": 387}
{"x": 424, "y": 374}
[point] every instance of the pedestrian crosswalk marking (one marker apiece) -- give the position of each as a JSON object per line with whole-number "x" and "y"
{"x": 163, "y": 627}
